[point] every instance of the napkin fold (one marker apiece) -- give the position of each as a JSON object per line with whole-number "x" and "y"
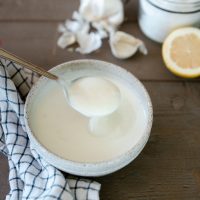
{"x": 30, "y": 176}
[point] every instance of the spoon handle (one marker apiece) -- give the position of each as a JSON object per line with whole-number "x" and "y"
{"x": 27, "y": 64}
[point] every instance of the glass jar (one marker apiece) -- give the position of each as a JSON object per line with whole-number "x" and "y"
{"x": 157, "y": 18}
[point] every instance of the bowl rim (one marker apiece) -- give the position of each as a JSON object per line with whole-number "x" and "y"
{"x": 89, "y": 168}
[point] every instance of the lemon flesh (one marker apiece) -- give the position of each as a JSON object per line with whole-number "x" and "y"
{"x": 181, "y": 52}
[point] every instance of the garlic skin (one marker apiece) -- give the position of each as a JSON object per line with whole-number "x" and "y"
{"x": 66, "y": 39}
{"x": 110, "y": 11}
{"x": 124, "y": 45}
{"x": 77, "y": 24}
{"x": 88, "y": 42}
{"x": 100, "y": 29}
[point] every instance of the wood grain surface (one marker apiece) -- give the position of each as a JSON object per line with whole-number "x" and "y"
{"x": 169, "y": 166}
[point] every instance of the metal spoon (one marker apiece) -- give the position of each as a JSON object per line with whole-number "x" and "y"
{"x": 7, "y": 55}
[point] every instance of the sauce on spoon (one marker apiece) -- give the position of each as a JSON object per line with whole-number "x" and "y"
{"x": 93, "y": 96}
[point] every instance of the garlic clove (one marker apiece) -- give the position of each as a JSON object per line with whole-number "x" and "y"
{"x": 66, "y": 39}
{"x": 88, "y": 42}
{"x": 76, "y": 26}
{"x": 124, "y": 45}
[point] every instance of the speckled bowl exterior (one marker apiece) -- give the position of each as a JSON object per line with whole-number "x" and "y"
{"x": 99, "y": 168}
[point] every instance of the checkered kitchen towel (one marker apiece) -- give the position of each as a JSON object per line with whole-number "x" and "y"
{"x": 30, "y": 177}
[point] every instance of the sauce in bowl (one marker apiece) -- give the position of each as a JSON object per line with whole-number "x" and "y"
{"x": 71, "y": 135}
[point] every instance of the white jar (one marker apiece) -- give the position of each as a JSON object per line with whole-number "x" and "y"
{"x": 157, "y": 18}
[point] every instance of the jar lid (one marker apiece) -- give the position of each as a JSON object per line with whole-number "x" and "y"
{"x": 177, "y": 6}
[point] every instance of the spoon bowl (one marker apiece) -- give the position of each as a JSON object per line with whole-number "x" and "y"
{"x": 93, "y": 96}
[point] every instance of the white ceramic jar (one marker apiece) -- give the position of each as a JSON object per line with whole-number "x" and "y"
{"x": 157, "y": 18}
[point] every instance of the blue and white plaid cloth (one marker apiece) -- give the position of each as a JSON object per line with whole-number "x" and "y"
{"x": 31, "y": 177}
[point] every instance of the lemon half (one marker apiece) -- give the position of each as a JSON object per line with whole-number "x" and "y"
{"x": 181, "y": 52}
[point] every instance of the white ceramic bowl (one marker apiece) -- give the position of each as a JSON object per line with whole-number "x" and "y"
{"x": 99, "y": 168}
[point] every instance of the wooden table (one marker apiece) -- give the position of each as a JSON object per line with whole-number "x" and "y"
{"x": 169, "y": 166}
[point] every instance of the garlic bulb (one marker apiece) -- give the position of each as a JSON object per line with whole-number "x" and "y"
{"x": 110, "y": 11}
{"x": 124, "y": 45}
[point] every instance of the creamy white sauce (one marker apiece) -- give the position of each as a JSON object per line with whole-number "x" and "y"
{"x": 67, "y": 133}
